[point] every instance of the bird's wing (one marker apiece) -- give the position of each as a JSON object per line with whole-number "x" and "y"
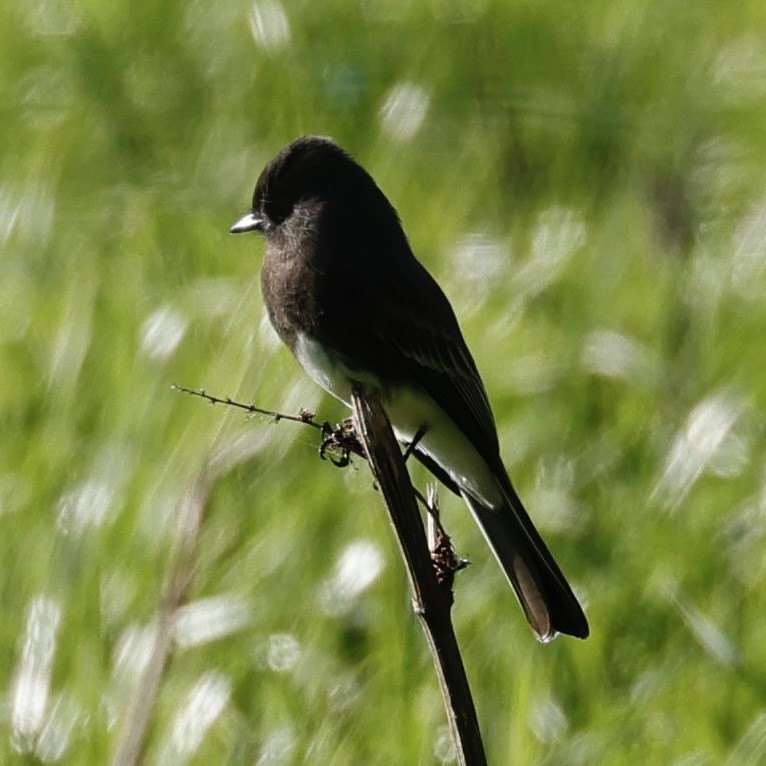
{"x": 422, "y": 332}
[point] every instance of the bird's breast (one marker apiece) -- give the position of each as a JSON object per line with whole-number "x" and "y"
{"x": 290, "y": 284}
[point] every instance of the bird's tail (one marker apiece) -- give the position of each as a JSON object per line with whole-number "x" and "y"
{"x": 542, "y": 590}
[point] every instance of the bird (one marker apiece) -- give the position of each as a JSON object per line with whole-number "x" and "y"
{"x": 345, "y": 293}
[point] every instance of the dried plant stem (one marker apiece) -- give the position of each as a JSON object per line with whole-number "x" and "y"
{"x": 432, "y": 602}
{"x": 133, "y": 734}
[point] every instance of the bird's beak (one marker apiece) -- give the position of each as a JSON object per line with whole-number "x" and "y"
{"x": 249, "y": 222}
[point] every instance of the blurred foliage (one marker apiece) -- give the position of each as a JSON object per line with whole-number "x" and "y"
{"x": 586, "y": 181}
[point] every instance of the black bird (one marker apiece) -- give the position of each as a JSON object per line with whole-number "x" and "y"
{"x": 346, "y": 294}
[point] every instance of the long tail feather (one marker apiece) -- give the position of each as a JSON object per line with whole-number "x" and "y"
{"x": 542, "y": 590}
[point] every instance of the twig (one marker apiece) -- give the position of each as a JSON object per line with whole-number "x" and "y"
{"x": 431, "y": 601}
{"x": 341, "y": 439}
{"x": 304, "y": 416}
{"x": 446, "y": 562}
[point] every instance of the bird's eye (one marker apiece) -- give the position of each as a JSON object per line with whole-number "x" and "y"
{"x": 278, "y": 206}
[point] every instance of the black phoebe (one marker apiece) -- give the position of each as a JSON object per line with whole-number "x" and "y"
{"x": 346, "y": 294}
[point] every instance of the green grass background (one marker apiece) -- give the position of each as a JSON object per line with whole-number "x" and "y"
{"x": 586, "y": 180}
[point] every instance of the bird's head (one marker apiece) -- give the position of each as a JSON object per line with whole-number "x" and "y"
{"x": 311, "y": 172}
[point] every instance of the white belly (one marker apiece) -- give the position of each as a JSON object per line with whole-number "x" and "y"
{"x": 409, "y": 410}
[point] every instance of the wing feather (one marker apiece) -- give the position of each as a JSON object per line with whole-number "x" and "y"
{"x": 425, "y": 335}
